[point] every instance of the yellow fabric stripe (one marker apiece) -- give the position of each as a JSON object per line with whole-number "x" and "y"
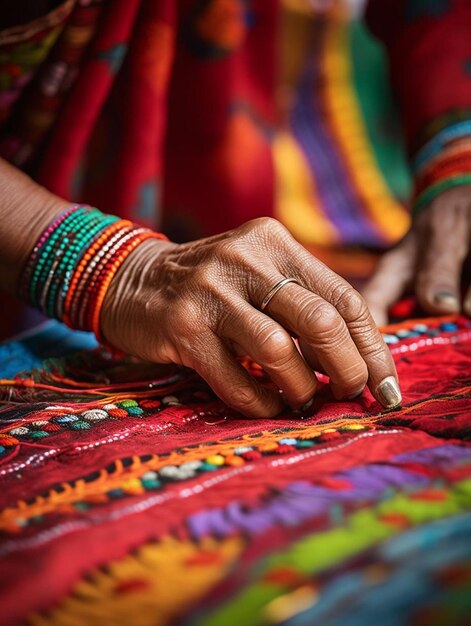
{"x": 345, "y": 120}
{"x": 297, "y": 206}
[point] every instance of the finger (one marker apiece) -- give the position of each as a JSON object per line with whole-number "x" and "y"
{"x": 272, "y": 347}
{"x": 439, "y": 274}
{"x": 467, "y": 302}
{"x": 382, "y": 376}
{"x": 311, "y": 357}
{"x": 232, "y": 383}
{"x": 319, "y": 324}
{"x": 392, "y": 276}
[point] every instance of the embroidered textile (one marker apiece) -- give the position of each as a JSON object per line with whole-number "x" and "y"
{"x": 130, "y": 494}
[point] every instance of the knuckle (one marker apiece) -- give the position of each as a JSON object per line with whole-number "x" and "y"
{"x": 204, "y": 277}
{"x": 350, "y": 304}
{"x": 266, "y": 226}
{"x": 320, "y": 318}
{"x": 234, "y": 253}
{"x": 429, "y": 279}
{"x": 273, "y": 345}
{"x": 373, "y": 348}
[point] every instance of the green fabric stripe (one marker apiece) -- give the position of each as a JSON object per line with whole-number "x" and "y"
{"x": 371, "y": 84}
{"x": 322, "y": 550}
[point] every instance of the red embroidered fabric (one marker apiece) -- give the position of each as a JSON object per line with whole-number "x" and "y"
{"x": 100, "y": 458}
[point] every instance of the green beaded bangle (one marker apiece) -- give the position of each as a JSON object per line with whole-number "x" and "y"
{"x": 81, "y": 243}
{"x": 79, "y": 240}
{"x": 70, "y": 260}
{"x": 48, "y": 255}
{"x": 430, "y": 193}
{"x": 58, "y": 241}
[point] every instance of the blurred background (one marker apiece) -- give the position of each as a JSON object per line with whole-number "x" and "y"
{"x": 343, "y": 179}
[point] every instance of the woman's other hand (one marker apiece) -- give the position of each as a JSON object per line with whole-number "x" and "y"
{"x": 198, "y": 304}
{"x": 429, "y": 260}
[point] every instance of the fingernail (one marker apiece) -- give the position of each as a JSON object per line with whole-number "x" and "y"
{"x": 355, "y": 395}
{"x": 305, "y": 408}
{"x": 447, "y": 300}
{"x": 389, "y": 392}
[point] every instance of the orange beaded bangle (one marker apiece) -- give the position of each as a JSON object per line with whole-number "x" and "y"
{"x": 111, "y": 272}
{"x": 87, "y": 257}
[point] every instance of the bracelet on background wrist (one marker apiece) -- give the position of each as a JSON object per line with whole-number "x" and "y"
{"x": 444, "y": 162}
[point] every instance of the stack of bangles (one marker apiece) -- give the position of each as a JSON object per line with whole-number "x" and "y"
{"x": 74, "y": 261}
{"x": 442, "y": 163}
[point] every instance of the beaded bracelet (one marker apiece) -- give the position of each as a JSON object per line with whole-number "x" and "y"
{"x": 448, "y": 168}
{"x": 84, "y": 309}
{"x": 444, "y": 162}
{"x": 71, "y": 266}
{"x": 457, "y": 148}
{"x": 435, "y": 145}
{"x": 439, "y": 123}
{"x": 432, "y": 192}
{"x": 86, "y": 265}
{"x": 452, "y": 154}
{"x": 72, "y": 233}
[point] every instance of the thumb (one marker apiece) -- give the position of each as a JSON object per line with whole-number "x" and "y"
{"x": 394, "y": 272}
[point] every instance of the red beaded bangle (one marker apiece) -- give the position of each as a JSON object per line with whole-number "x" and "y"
{"x": 444, "y": 170}
{"x": 99, "y": 271}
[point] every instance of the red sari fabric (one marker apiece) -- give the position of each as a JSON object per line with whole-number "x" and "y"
{"x": 164, "y": 90}
{"x": 429, "y": 47}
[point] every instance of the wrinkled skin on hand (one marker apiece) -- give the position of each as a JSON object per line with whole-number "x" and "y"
{"x": 198, "y": 305}
{"x": 430, "y": 260}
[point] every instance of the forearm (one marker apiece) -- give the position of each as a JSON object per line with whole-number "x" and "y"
{"x": 26, "y": 209}
{"x": 428, "y": 52}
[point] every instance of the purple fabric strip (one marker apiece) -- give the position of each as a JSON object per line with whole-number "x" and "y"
{"x": 302, "y": 500}
{"x": 439, "y": 455}
{"x": 339, "y": 200}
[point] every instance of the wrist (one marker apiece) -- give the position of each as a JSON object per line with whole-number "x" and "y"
{"x": 128, "y": 291}
{"x": 26, "y": 209}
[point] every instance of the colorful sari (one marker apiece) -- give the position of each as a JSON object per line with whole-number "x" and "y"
{"x": 162, "y": 111}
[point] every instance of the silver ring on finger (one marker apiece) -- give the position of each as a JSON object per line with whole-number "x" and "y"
{"x": 274, "y": 290}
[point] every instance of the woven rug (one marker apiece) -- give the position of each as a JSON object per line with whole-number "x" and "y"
{"x": 131, "y": 495}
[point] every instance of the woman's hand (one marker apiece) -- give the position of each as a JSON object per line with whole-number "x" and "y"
{"x": 430, "y": 260}
{"x": 198, "y": 305}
